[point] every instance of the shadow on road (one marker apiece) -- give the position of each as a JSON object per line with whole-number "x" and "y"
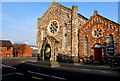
{"x": 52, "y": 68}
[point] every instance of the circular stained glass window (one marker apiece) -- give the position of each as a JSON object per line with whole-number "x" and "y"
{"x": 97, "y": 32}
{"x": 53, "y": 26}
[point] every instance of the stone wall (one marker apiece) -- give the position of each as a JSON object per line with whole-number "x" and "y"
{"x": 78, "y": 27}
{"x": 64, "y": 16}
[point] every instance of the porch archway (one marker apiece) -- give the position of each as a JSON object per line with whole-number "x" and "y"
{"x": 47, "y": 52}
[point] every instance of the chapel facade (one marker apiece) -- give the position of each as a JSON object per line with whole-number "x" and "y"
{"x": 63, "y": 31}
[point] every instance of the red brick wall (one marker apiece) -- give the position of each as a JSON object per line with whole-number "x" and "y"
{"x": 4, "y": 51}
{"x": 24, "y": 51}
{"x": 27, "y": 51}
{"x": 108, "y": 27}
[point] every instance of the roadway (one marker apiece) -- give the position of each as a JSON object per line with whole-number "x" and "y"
{"x": 17, "y": 69}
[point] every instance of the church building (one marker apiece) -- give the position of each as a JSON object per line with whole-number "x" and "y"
{"x": 62, "y": 31}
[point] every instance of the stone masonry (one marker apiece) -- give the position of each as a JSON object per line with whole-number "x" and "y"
{"x": 77, "y": 28}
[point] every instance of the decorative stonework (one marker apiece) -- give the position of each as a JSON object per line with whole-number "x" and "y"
{"x": 53, "y": 27}
{"x": 97, "y": 33}
{"x": 100, "y": 29}
{"x": 97, "y": 29}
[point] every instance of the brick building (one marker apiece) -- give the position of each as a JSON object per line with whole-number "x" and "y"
{"x": 22, "y": 50}
{"x": 6, "y": 48}
{"x": 63, "y": 31}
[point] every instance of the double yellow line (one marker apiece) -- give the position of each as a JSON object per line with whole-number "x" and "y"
{"x": 20, "y": 74}
{"x": 37, "y": 78}
{"x": 12, "y": 74}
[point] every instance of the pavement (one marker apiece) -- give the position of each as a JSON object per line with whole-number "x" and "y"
{"x": 77, "y": 66}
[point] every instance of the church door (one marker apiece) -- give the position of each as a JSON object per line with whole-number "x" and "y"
{"x": 47, "y": 54}
{"x": 97, "y": 54}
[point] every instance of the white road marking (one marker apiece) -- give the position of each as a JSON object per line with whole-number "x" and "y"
{"x": 86, "y": 69}
{"x": 46, "y": 75}
{"x": 104, "y": 72}
{"x": 97, "y": 70}
{"x": 103, "y": 66}
{"x": 8, "y": 66}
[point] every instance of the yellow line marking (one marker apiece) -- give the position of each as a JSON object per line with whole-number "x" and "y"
{"x": 28, "y": 61}
{"x": 19, "y": 73}
{"x": 46, "y": 75}
{"x": 22, "y": 61}
{"x": 37, "y": 78}
{"x": 9, "y": 74}
{"x": 12, "y": 74}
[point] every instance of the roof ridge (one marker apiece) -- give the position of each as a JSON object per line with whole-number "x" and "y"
{"x": 108, "y": 19}
{"x": 51, "y": 6}
{"x": 6, "y": 43}
{"x": 62, "y": 5}
{"x": 100, "y": 16}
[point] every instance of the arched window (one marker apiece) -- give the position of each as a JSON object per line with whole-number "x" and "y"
{"x": 111, "y": 40}
{"x": 86, "y": 46}
{"x": 111, "y": 45}
{"x": 65, "y": 36}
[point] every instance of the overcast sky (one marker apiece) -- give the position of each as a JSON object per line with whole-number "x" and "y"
{"x": 19, "y": 19}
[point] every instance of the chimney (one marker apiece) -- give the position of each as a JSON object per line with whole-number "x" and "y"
{"x": 95, "y": 12}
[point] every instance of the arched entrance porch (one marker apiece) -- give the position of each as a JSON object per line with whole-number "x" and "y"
{"x": 48, "y": 49}
{"x": 47, "y": 52}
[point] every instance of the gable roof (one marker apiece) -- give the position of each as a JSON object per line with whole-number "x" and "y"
{"x": 108, "y": 19}
{"x": 82, "y": 16}
{"x": 53, "y": 39}
{"x": 19, "y": 45}
{"x": 61, "y": 5}
{"x": 55, "y": 3}
{"x": 5, "y": 43}
{"x": 96, "y": 14}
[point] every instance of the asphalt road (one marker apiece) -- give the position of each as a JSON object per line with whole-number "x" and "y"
{"x": 16, "y": 70}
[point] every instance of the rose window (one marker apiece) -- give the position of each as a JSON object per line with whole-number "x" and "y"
{"x": 53, "y": 26}
{"x": 97, "y": 32}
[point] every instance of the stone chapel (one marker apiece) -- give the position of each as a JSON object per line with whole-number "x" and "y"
{"x": 62, "y": 31}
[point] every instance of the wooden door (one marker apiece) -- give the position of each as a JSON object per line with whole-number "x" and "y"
{"x": 97, "y": 54}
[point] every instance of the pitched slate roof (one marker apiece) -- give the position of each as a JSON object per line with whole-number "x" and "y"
{"x": 5, "y": 43}
{"x": 19, "y": 45}
{"x": 82, "y": 16}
